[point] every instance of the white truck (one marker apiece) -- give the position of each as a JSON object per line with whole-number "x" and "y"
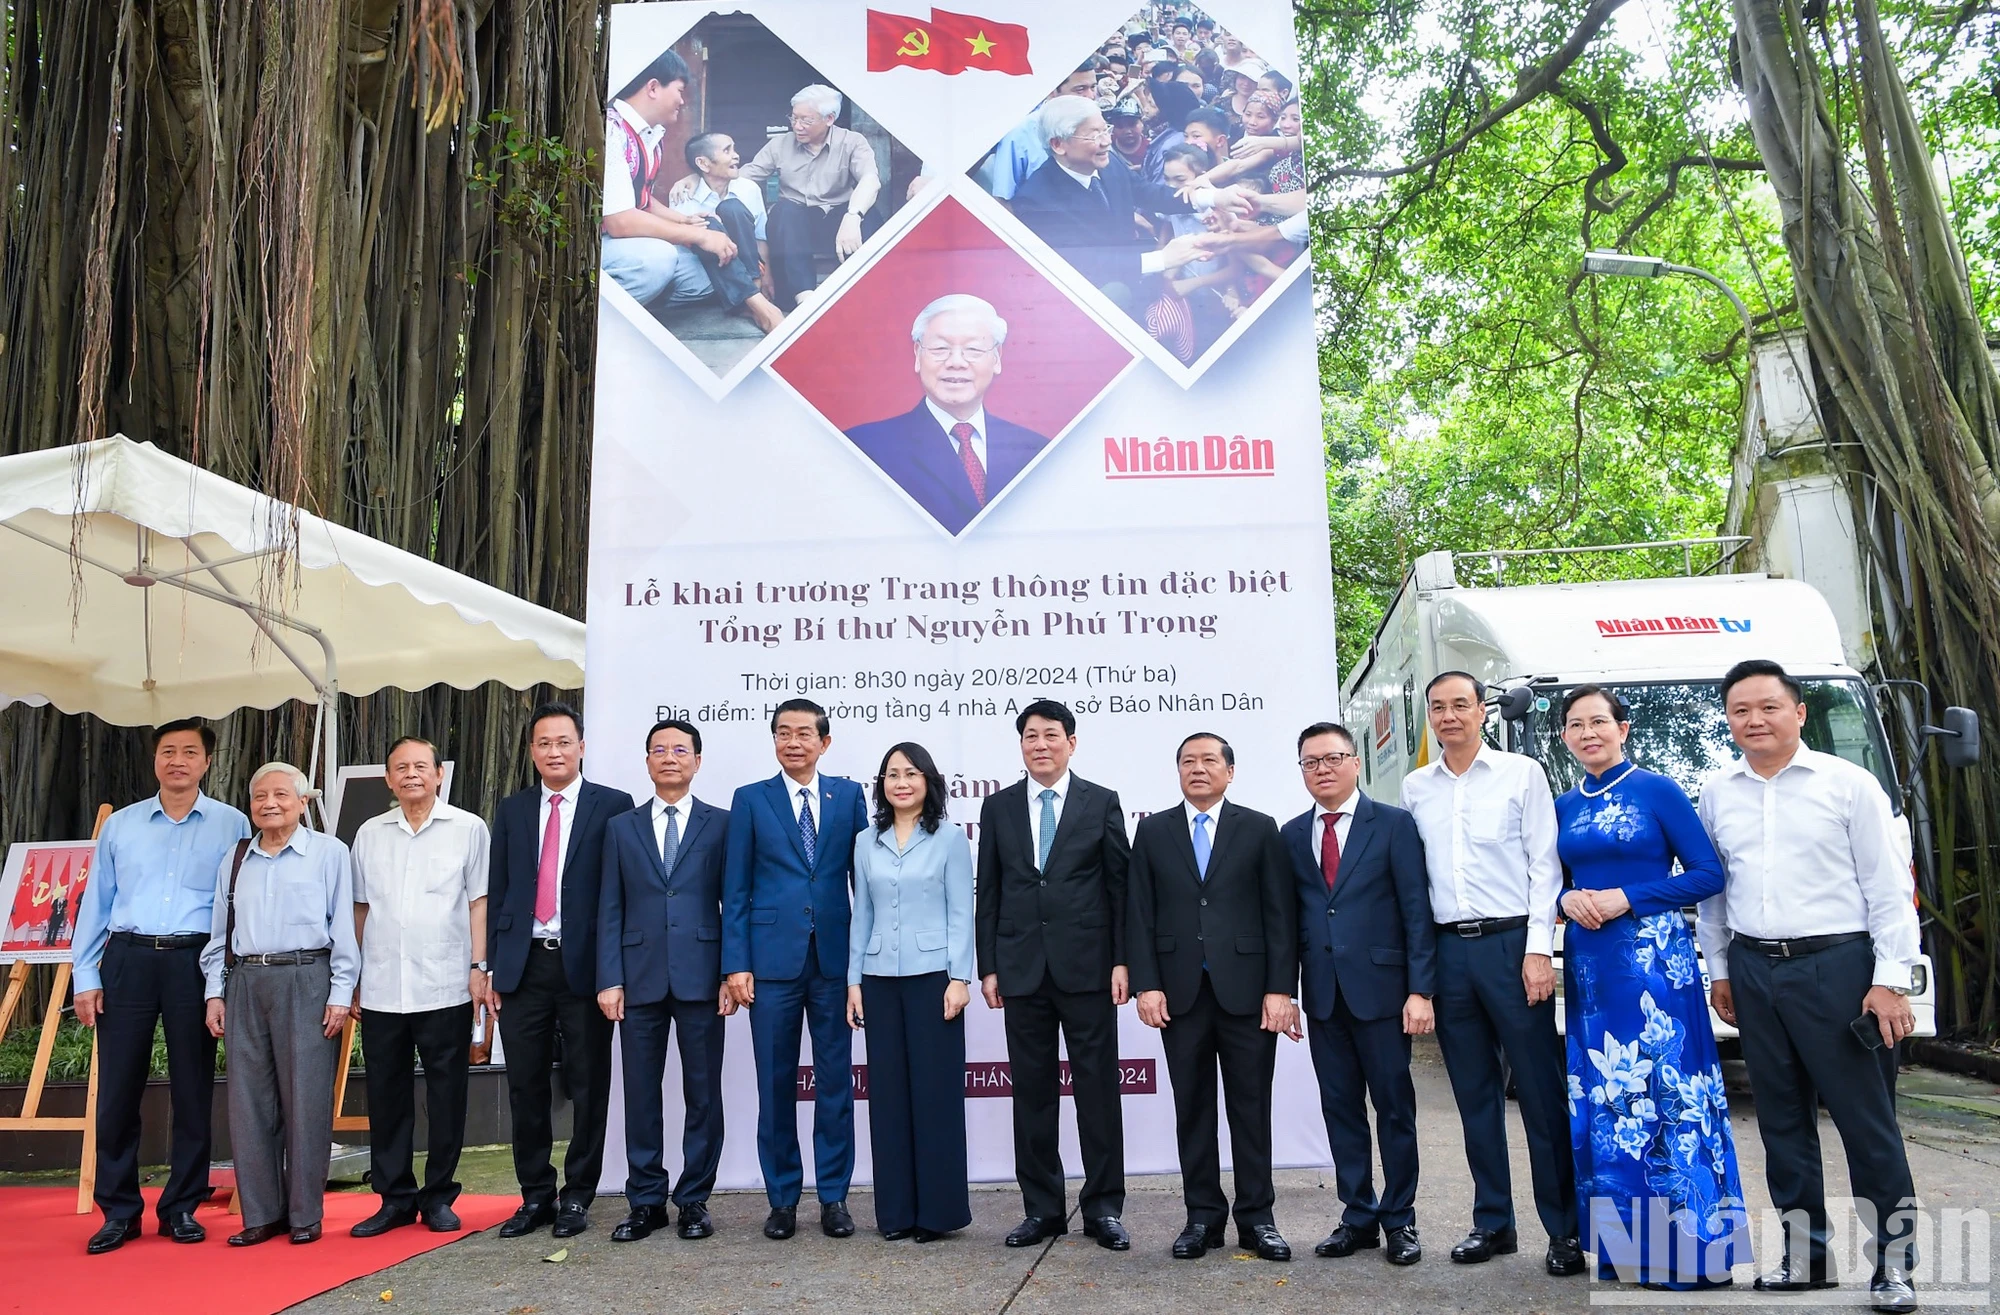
{"x": 1663, "y": 642}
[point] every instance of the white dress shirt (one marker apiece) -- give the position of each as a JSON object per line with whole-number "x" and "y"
{"x": 946, "y": 420}
{"x": 619, "y": 194}
{"x": 1489, "y": 841}
{"x": 1811, "y": 851}
{"x": 416, "y": 945}
{"x": 570, "y": 794}
{"x": 1343, "y": 821}
{"x": 1035, "y": 789}
{"x": 811, "y": 800}
{"x": 684, "y": 807}
{"x": 1214, "y": 820}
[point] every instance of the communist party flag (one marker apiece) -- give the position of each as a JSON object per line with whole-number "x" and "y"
{"x": 898, "y": 41}
{"x": 981, "y": 43}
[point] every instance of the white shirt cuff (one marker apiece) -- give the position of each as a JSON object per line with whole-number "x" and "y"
{"x": 1541, "y": 940}
{"x": 1893, "y": 974}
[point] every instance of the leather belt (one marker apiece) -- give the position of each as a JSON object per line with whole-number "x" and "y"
{"x": 283, "y": 957}
{"x": 1474, "y": 928}
{"x": 548, "y": 942}
{"x": 186, "y": 940}
{"x": 1798, "y": 945}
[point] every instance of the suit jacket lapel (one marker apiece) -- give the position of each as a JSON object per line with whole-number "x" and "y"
{"x": 697, "y": 819}
{"x": 642, "y": 819}
{"x": 781, "y": 791}
{"x": 1361, "y": 835}
{"x": 1222, "y": 839}
{"x": 1183, "y": 844}
{"x": 1079, "y": 792}
{"x": 577, "y": 820}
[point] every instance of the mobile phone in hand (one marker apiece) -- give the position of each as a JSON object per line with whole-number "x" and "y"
{"x": 1868, "y": 1030}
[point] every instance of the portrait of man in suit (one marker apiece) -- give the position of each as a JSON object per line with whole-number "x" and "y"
{"x": 947, "y": 452}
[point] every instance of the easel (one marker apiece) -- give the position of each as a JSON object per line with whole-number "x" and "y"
{"x": 31, "y": 1119}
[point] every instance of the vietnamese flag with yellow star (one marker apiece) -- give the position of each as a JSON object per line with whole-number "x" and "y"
{"x": 981, "y": 43}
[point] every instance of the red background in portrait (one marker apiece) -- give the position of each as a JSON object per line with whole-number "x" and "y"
{"x": 855, "y": 363}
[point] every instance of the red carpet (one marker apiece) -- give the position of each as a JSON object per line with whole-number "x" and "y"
{"x": 47, "y": 1272}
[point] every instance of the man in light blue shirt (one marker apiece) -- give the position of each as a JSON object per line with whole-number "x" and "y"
{"x": 140, "y": 929}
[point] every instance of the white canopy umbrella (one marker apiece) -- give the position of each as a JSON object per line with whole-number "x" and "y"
{"x": 180, "y": 609}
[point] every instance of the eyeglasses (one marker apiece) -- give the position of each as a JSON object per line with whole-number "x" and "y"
{"x": 1092, "y": 134}
{"x": 565, "y": 744}
{"x": 678, "y": 752}
{"x": 972, "y": 355}
{"x": 1313, "y": 764}
{"x": 791, "y": 736}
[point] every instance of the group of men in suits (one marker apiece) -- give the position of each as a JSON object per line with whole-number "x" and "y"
{"x": 668, "y": 916}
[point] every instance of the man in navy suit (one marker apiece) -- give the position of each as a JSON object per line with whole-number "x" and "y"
{"x": 1367, "y": 960}
{"x": 1084, "y": 203}
{"x": 785, "y": 906}
{"x": 946, "y": 452}
{"x": 542, "y": 882}
{"x": 659, "y": 970}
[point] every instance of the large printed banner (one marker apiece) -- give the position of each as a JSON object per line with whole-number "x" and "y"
{"x": 901, "y": 412}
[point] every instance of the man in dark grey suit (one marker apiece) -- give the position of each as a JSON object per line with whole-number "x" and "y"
{"x": 659, "y": 970}
{"x": 1214, "y": 947}
{"x": 1368, "y": 966}
{"x": 1050, "y": 932}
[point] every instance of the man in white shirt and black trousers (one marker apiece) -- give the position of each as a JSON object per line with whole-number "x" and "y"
{"x": 1809, "y": 949}
{"x": 1489, "y": 828}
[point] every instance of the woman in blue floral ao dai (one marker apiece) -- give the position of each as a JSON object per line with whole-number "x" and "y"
{"x": 1657, "y": 1184}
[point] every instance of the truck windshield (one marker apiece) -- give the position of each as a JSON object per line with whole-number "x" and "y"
{"x": 1679, "y": 730}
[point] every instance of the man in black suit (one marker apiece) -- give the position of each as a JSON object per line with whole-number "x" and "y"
{"x": 1367, "y": 962}
{"x": 542, "y": 888}
{"x": 947, "y": 452}
{"x": 659, "y": 951}
{"x": 1050, "y": 915}
{"x": 1214, "y": 949}
{"x": 1084, "y": 204}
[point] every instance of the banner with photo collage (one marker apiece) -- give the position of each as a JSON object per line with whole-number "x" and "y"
{"x": 783, "y": 500}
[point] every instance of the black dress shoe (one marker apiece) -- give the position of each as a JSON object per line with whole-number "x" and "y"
{"x": 781, "y": 1223}
{"x": 527, "y": 1219}
{"x": 1109, "y": 1232}
{"x": 898, "y": 1234}
{"x": 382, "y": 1221}
{"x": 1035, "y": 1229}
{"x": 834, "y": 1220}
{"x": 115, "y": 1233}
{"x": 301, "y": 1236}
{"x": 572, "y": 1217}
{"x": 640, "y": 1224}
{"x": 1565, "y": 1257}
{"x": 922, "y": 1235}
{"x": 1791, "y": 1276}
{"x": 1892, "y": 1290}
{"x": 1196, "y": 1239}
{"x": 694, "y": 1221}
{"x": 1346, "y": 1240}
{"x": 441, "y": 1218}
{"x": 181, "y": 1227}
{"x": 250, "y": 1237}
{"x": 1482, "y": 1244}
{"x": 1404, "y": 1249}
{"x": 1266, "y": 1241}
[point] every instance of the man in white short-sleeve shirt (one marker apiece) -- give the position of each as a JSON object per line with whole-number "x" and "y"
{"x": 419, "y": 911}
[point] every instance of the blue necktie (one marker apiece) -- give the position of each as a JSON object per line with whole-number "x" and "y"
{"x": 1097, "y": 190}
{"x": 808, "y": 835}
{"x": 670, "y": 848}
{"x": 1048, "y": 828}
{"x": 1201, "y": 844}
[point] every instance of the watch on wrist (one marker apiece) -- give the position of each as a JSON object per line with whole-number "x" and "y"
{"x": 479, "y": 966}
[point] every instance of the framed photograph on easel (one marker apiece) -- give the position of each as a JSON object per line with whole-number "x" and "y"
{"x": 41, "y": 888}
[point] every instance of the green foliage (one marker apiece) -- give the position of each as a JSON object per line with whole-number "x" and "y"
{"x": 531, "y": 180}
{"x": 1480, "y": 392}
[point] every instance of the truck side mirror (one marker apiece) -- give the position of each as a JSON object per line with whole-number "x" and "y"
{"x": 1515, "y": 704}
{"x": 1960, "y": 736}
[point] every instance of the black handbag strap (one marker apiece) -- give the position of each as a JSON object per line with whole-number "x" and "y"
{"x": 229, "y": 931}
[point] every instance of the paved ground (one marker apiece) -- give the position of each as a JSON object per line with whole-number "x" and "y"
{"x": 1952, "y": 1126}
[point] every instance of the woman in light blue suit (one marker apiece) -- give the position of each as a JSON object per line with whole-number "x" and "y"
{"x": 909, "y": 972}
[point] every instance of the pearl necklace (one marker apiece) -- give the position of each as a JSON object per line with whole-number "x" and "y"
{"x": 1589, "y": 793}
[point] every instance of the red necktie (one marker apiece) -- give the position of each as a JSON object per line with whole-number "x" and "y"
{"x": 973, "y": 470}
{"x": 1329, "y": 850}
{"x": 545, "y": 879}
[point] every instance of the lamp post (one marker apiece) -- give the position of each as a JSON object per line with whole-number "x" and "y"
{"x": 1619, "y": 264}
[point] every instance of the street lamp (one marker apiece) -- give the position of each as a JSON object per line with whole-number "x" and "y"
{"x": 1620, "y": 264}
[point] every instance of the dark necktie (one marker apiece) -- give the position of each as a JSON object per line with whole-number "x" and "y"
{"x": 670, "y": 846}
{"x": 973, "y": 470}
{"x": 808, "y": 834}
{"x": 1097, "y": 190}
{"x": 1329, "y": 850}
